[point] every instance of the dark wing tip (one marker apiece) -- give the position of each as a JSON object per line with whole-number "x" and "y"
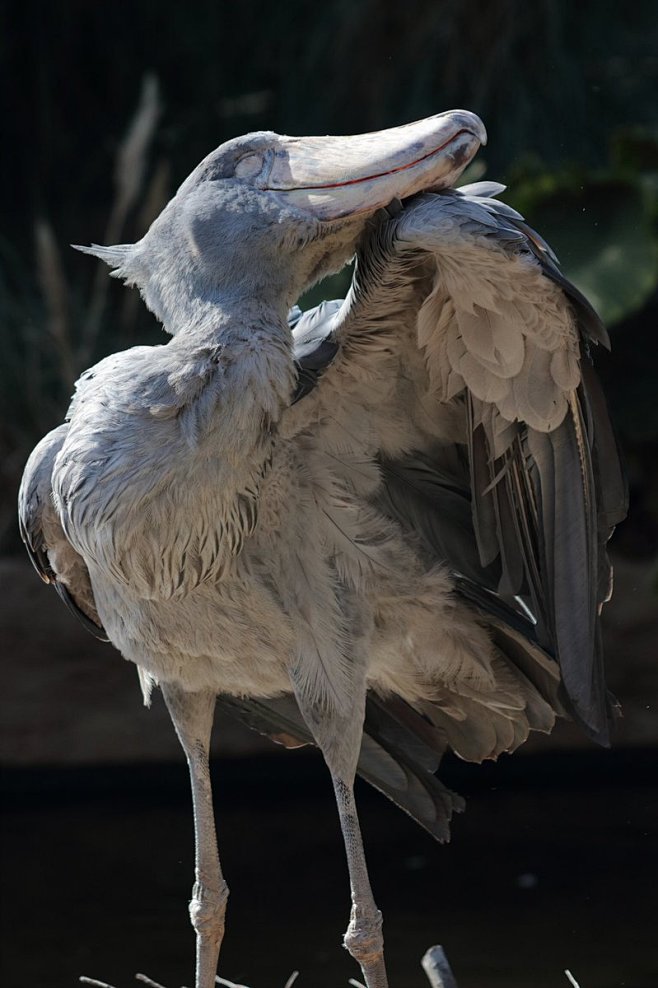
{"x": 97, "y": 630}
{"x": 36, "y": 555}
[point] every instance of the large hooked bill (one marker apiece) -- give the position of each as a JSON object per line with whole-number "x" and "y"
{"x": 336, "y": 177}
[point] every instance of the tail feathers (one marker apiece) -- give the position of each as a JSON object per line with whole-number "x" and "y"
{"x": 514, "y": 635}
{"x": 527, "y": 693}
{"x": 279, "y": 718}
{"x": 399, "y": 754}
{"x": 488, "y": 725}
{"x": 415, "y": 746}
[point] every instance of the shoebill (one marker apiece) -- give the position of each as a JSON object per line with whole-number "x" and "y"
{"x": 380, "y": 525}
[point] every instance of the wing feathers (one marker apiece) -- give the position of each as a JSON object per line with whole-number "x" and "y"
{"x": 547, "y": 487}
{"x": 494, "y": 339}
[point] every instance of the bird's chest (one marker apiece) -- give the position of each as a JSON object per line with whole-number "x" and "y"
{"x": 151, "y": 511}
{"x": 233, "y": 637}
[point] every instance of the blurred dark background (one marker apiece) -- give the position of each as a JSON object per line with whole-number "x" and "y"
{"x": 107, "y": 107}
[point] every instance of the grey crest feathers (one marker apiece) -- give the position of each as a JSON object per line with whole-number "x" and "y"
{"x": 120, "y": 257}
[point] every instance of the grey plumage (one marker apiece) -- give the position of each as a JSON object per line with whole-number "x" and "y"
{"x": 380, "y": 525}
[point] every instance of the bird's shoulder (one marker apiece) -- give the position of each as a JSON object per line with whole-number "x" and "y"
{"x": 50, "y": 551}
{"x": 144, "y": 381}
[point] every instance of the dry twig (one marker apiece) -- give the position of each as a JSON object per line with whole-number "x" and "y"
{"x": 436, "y": 967}
{"x": 434, "y": 964}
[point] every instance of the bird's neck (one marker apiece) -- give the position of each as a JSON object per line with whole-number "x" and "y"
{"x": 252, "y": 342}
{"x": 216, "y": 314}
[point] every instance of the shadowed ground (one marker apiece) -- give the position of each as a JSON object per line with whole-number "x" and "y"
{"x": 552, "y": 866}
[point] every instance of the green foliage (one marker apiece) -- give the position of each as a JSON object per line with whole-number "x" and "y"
{"x": 602, "y": 224}
{"x": 333, "y": 286}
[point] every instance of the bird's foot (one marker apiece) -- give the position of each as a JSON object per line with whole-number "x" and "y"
{"x": 365, "y": 942}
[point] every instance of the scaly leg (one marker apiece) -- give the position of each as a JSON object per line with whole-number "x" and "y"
{"x": 363, "y": 939}
{"x": 192, "y": 715}
{"x": 338, "y": 735}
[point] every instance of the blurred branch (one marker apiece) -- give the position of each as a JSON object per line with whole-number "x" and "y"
{"x": 155, "y": 199}
{"x": 56, "y": 297}
{"x": 49, "y": 334}
{"x": 128, "y": 179}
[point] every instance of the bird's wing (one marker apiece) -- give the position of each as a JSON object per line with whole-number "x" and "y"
{"x": 458, "y": 301}
{"x": 506, "y": 337}
{"x": 52, "y": 555}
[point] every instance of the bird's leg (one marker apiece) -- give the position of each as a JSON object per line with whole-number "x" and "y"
{"x": 339, "y": 737}
{"x": 363, "y": 938}
{"x": 192, "y": 714}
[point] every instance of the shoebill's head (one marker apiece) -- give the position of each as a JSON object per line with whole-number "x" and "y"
{"x": 264, "y": 217}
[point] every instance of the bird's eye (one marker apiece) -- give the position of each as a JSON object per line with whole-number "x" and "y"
{"x": 250, "y": 166}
